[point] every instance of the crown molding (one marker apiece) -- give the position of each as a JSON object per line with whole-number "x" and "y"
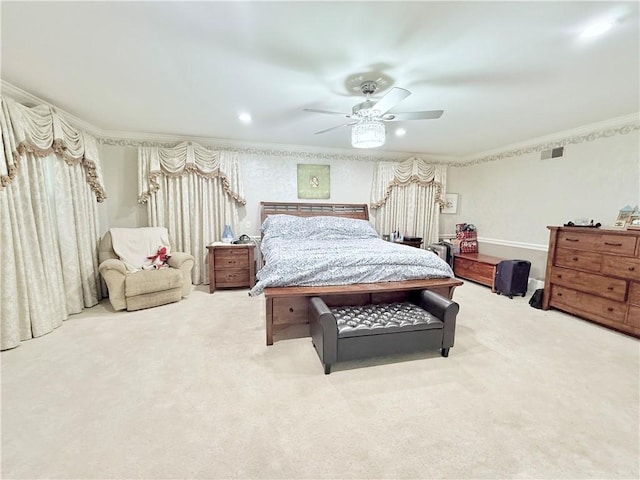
{"x": 587, "y": 133}
{"x": 129, "y": 139}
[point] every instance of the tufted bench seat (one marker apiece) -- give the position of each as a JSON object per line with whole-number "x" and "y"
{"x": 356, "y": 332}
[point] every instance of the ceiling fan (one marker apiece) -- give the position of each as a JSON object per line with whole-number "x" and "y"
{"x": 368, "y": 117}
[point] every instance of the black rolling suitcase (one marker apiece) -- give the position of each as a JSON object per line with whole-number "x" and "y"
{"x": 512, "y": 277}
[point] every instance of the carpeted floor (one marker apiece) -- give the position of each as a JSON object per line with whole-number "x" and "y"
{"x": 190, "y": 390}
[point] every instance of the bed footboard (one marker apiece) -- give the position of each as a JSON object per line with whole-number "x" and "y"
{"x": 287, "y": 306}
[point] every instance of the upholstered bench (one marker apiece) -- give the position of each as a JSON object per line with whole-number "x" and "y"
{"x": 356, "y": 332}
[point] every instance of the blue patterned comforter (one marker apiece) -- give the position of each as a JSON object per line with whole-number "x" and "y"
{"x": 318, "y": 251}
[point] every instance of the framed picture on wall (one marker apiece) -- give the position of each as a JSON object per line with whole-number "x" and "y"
{"x": 314, "y": 181}
{"x": 450, "y": 203}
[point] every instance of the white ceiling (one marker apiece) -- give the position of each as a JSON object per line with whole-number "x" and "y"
{"x": 503, "y": 73}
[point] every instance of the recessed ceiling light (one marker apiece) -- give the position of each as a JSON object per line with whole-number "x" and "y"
{"x": 244, "y": 117}
{"x": 596, "y": 29}
{"x": 400, "y": 132}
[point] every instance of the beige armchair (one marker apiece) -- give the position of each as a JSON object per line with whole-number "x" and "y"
{"x": 143, "y": 288}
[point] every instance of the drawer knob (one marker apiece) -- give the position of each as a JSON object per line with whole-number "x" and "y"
{"x": 609, "y": 288}
{"x": 575, "y": 259}
{"x": 559, "y": 294}
{"x": 572, "y": 239}
{"x": 609, "y": 309}
{"x": 631, "y": 269}
{"x": 559, "y": 276}
{"x": 613, "y": 244}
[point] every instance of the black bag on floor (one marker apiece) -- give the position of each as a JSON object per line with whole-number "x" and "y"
{"x": 536, "y": 299}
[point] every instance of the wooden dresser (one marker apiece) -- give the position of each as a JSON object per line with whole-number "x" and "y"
{"x": 595, "y": 274}
{"x": 231, "y": 266}
{"x": 476, "y": 267}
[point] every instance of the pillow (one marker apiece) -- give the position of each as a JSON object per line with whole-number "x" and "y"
{"x": 321, "y": 228}
{"x": 281, "y": 225}
{"x": 333, "y": 228}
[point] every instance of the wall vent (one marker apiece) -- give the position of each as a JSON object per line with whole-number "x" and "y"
{"x": 552, "y": 153}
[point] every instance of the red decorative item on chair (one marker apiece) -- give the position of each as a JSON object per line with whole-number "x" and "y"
{"x": 160, "y": 259}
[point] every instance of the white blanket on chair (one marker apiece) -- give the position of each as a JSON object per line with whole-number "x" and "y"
{"x": 135, "y": 245}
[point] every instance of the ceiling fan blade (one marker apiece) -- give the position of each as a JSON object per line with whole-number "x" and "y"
{"x": 337, "y": 126}
{"x": 391, "y": 99}
{"x": 425, "y": 115}
{"x": 315, "y": 110}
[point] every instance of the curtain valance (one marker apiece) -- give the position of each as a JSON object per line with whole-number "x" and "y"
{"x": 413, "y": 170}
{"x": 184, "y": 158}
{"x": 40, "y": 130}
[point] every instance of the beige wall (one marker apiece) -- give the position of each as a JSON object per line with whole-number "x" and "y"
{"x": 513, "y": 200}
{"x": 274, "y": 179}
{"x": 120, "y": 173}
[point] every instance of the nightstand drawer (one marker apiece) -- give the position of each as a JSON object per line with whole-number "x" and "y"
{"x": 231, "y": 258}
{"x": 232, "y": 277}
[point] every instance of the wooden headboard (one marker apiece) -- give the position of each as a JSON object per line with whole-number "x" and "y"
{"x": 348, "y": 210}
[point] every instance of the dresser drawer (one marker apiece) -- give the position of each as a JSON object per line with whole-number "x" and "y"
{"x": 633, "y": 317}
{"x": 581, "y": 260}
{"x": 613, "y": 288}
{"x": 623, "y": 267}
{"x": 588, "y": 304}
{"x": 618, "y": 244}
{"x": 232, "y": 277}
{"x": 634, "y": 293}
{"x": 579, "y": 241}
{"x": 231, "y": 258}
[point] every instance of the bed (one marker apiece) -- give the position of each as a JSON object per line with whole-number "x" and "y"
{"x": 298, "y": 268}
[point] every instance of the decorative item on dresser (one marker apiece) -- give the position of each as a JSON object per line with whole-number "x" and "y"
{"x": 595, "y": 274}
{"x": 231, "y": 266}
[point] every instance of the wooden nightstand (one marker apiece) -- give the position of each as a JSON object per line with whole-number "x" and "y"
{"x": 231, "y": 266}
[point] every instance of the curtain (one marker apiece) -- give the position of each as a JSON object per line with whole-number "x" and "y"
{"x": 194, "y": 192}
{"x": 407, "y": 197}
{"x": 50, "y": 180}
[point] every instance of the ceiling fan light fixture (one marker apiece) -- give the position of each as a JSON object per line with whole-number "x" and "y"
{"x": 368, "y": 133}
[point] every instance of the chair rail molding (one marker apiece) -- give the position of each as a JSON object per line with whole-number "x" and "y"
{"x": 509, "y": 243}
{"x": 504, "y": 243}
